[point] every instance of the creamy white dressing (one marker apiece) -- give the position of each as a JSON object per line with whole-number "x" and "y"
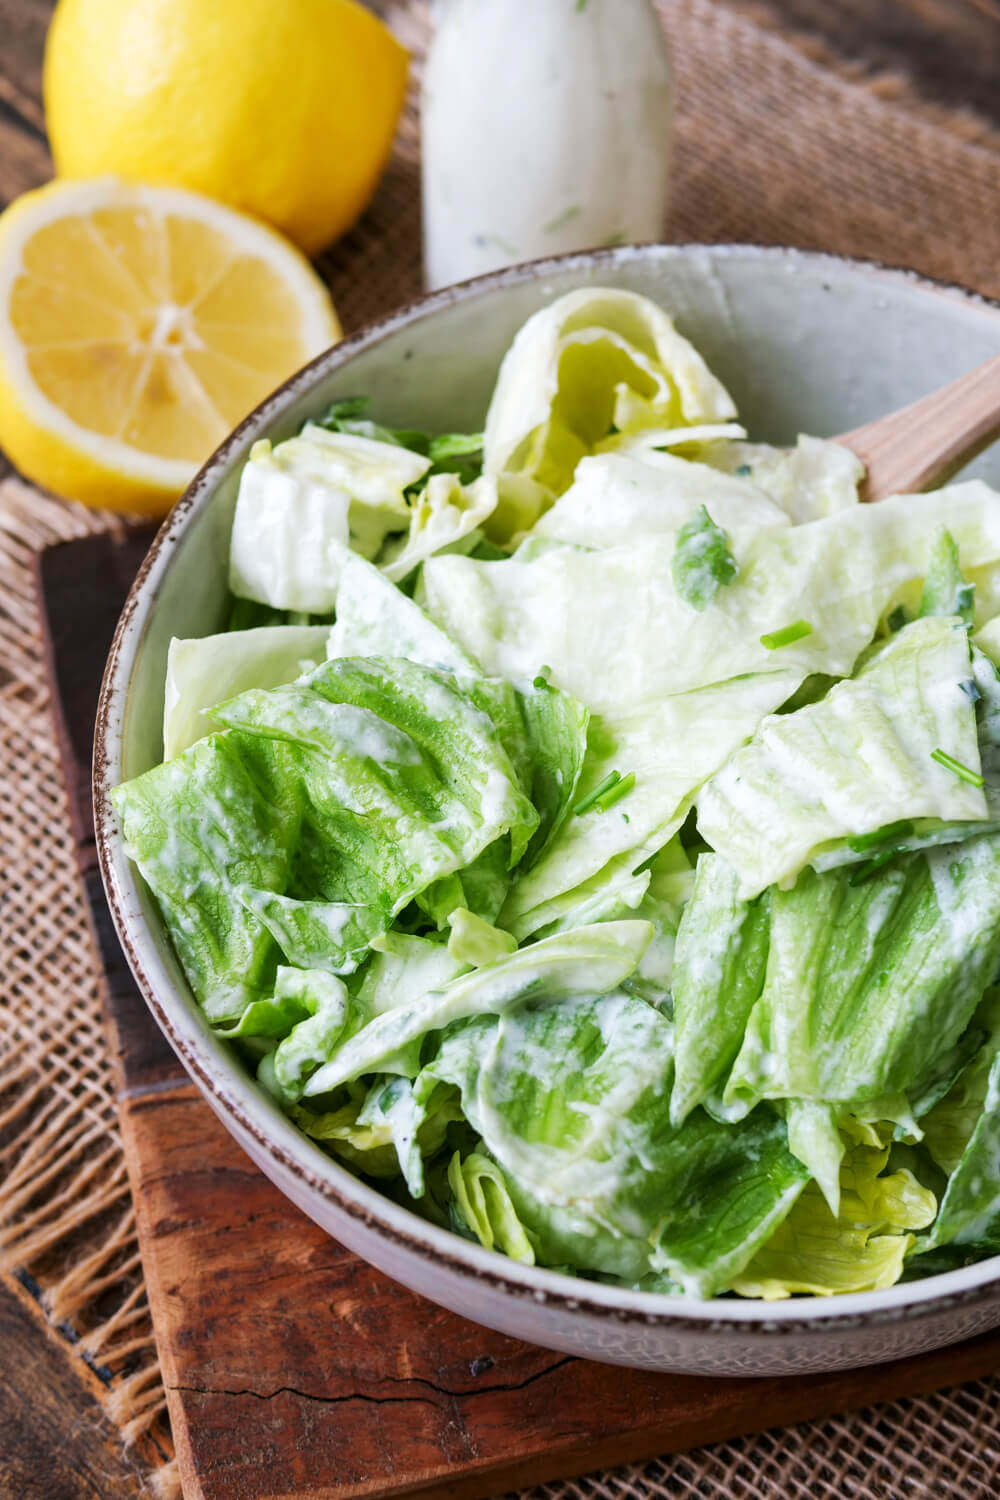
{"x": 545, "y": 129}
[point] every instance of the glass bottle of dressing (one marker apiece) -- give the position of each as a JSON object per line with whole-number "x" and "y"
{"x": 545, "y": 128}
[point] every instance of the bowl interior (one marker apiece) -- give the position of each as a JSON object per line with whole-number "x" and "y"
{"x": 804, "y": 342}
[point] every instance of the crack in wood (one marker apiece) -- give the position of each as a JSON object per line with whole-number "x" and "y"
{"x": 444, "y": 1392}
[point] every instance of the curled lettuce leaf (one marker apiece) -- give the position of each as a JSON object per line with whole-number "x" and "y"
{"x": 445, "y": 514}
{"x": 592, "y": 361}
{"x": 484, "y": 1207}
{"x": 859, "y": 760}
{"x": 858, "y": 1249}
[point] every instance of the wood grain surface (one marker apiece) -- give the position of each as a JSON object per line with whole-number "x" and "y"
{"x": 52, "y": 1440}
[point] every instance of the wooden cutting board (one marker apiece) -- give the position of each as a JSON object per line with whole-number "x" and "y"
{"x": 291, "y": 1366}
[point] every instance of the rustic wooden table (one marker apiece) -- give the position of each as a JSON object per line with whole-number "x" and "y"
{"x": 54, "y": 1442}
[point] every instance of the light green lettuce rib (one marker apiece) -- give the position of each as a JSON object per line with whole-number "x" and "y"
{"x": 719, "y": 965}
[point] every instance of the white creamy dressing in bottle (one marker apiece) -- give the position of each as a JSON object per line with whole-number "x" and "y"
{"x": 546, "y": 128}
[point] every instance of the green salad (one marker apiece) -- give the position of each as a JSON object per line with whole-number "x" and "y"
{"x": 588, "y": 830}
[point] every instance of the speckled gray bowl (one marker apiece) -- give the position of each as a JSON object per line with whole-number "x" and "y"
{"x": 804, "y": 342}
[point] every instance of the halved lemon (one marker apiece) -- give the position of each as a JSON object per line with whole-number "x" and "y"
{"x": 138, "y": 325}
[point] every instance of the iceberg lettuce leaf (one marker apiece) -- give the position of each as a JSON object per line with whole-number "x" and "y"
{"x": 858, "y": 1249}
{"x": 409, "y": 775}
{"x": 588, "y": 959}
{"x": 301, "y": 501}
{"x": 223, "y": 813}
{"x": 719, "y": 965}
{"x": 590, "y": 362}
{"x": 587, "y": 614}
{"x": 867, "y": 983}
{"x": 201, "y": 672}
{"x": 670, "y": 750}
{"x": 375, "y": 619}
{"x": 860, "y": 760}
{"x": 616, "y": 497}
{"x": 816, "y": 478}
{"x": 572, "y": 1102}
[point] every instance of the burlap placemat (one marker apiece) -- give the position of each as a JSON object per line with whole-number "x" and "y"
{"x": 773, "y": 143}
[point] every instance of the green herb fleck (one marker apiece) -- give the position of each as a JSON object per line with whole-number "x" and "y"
{"x": 542, "y": 680}
{"x": 797, "y": 631}
{"x": 951, "y": 764}
{"x": 702, "y": 562}
{"x": 897, "y": 619}
{"x": 946, "y": 591}
{"x": 864, "y": 841}
{"x": 566, "y": 217}
{"x": 586, "y": 803}
{"x": 493, "y": 241}
{"x": 616, "y": 793}
{"x": 743, "y": 471}
{"x": 581, "y": 5}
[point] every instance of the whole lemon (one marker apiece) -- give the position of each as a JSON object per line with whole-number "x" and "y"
{"x": 283, "y": 108}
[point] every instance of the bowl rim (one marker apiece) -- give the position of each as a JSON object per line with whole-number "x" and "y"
{"x": 234, "y": 1094}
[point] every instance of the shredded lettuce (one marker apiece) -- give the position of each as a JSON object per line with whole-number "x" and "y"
{"x": 588, "y": 830}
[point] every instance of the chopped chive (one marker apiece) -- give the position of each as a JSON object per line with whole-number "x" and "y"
{"x": 625, "y": 817}
{"x": 970, "y": 690}
{"x": 951, "y": 764}
{"x": 897, "y": 618}
{"x": 864, "y": 841}
{"x": 586, "y": 803}
{"x": 784, "y": 637}
{"x": 743, "y": 471}
{"x": 620, "y": 789}
{"x": 542, "y": 680}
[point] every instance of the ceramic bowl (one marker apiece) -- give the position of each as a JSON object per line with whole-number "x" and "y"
{"x": 806, "y": 343}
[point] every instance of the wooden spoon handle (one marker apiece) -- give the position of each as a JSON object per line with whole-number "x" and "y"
{"x": 926, "y": 443}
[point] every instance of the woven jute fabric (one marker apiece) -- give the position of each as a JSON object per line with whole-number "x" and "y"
{"x": 773, "y": 143}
